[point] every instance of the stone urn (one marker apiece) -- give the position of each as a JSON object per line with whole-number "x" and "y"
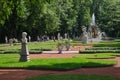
{"x": 11, "y": 42}
{"x": 67, "y": 47}
{"x": 60, "y": 47}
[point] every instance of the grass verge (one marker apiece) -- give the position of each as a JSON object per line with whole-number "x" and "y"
{"x": 72, "y": 77}
{"x": 12, "y": 61}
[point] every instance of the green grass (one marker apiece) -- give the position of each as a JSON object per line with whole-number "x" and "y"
{"x": 106, "y": 44}
{"x": 103, "y": 47}
{"x": 33, "y": 45}
{"x": 12, "y": 61}
{"x": 98, "y": 55}
{"x": 72, "y": 77}
{"x": 53, "y": 45}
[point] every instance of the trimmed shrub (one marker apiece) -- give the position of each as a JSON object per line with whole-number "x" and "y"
{"x": 99, "y": 51}
{"x": 103, "y": 48}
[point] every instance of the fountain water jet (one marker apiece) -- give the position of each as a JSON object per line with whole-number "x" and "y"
{"x": 94, "y": 33}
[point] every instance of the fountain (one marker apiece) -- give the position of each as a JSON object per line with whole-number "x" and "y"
{"x": 93, "y": 19}
{"x": 94, "y": 33}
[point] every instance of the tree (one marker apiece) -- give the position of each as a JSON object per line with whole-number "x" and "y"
{"x": 108, "y": 17}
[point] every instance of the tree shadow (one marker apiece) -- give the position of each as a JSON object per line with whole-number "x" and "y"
{"x": 68, "y": 66}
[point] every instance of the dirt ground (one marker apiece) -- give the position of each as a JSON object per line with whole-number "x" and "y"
{"x": 21, "y": 74}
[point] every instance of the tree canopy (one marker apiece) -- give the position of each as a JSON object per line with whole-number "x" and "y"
{"x": 48, "y": 17}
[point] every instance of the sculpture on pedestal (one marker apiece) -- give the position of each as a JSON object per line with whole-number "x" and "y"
{"x": 24, "y": 55}
{"x": 85, "y": 36}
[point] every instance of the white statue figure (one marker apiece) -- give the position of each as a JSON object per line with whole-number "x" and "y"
{"x": 24, "y": 55}
{"x": 85, "y": 36}
{"x": 59, "y": 36}
{"x": 29, "y": 38}
{"x": 24, "y": 39}
{"x": 38, "y": 38}
{"x": 6, "y": 39}
{"x": 65, "y": 35}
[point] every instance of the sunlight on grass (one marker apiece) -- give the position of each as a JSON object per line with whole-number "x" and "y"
{"x": 12, "y": 60}
{"x": 82, "y": 60}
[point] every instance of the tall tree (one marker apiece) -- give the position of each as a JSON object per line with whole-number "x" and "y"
{"x": 109, "y": 18}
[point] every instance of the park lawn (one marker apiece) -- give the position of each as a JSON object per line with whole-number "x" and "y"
{"x": 32, "y": 45}
{"x": 98, "y": 55}
{"x": 72, "y": 77}
{"x": 53, "y": 45}
{"x": 12, "y": 61}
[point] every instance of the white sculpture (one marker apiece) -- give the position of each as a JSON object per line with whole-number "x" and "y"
{"x": 29, "y": 38}
{"x": 24, "y": 55}
{"x": 85, "y": 36}
{"x": 24, "y": 39}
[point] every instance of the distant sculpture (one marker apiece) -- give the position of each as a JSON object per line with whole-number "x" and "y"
{"x": 11, "y": 42}
{"x": 6, "y": 39}
{"x": 85, "y": 36}
{"x": 65, "y": 35}
{"x": 24, "y": 55}
{"x": 38, "y": 38}
{"x": 59, "y": 36}
{"x": 29, "y": 38}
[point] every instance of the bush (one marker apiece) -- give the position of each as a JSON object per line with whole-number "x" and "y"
{"x": 99, "y": 51}
{"x": 103, "y": 48}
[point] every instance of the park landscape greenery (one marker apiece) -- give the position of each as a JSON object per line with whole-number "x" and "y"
{"x": 48, "y": 17}
{"x": 11, "y": 59}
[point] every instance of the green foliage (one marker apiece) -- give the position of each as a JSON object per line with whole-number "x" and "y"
{"x": 53, "y": 16}
{"x": 99, "y": 51}
{"x": 67, "y": 41}
{"x": 60, "y": 43}
{"x": 103, "y": 48}
{"x": 108, "y": 16}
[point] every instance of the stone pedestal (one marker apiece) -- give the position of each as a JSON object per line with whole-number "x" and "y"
{"x": 85, "y": 40}
{"x": 85, "y": 36}
{"x": 60, "y": 48}
{"x": 24, "y": 55}
{"x": 67, "y": 47}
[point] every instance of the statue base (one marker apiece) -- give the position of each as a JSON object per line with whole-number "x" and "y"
{"x": 24, "y": 58}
